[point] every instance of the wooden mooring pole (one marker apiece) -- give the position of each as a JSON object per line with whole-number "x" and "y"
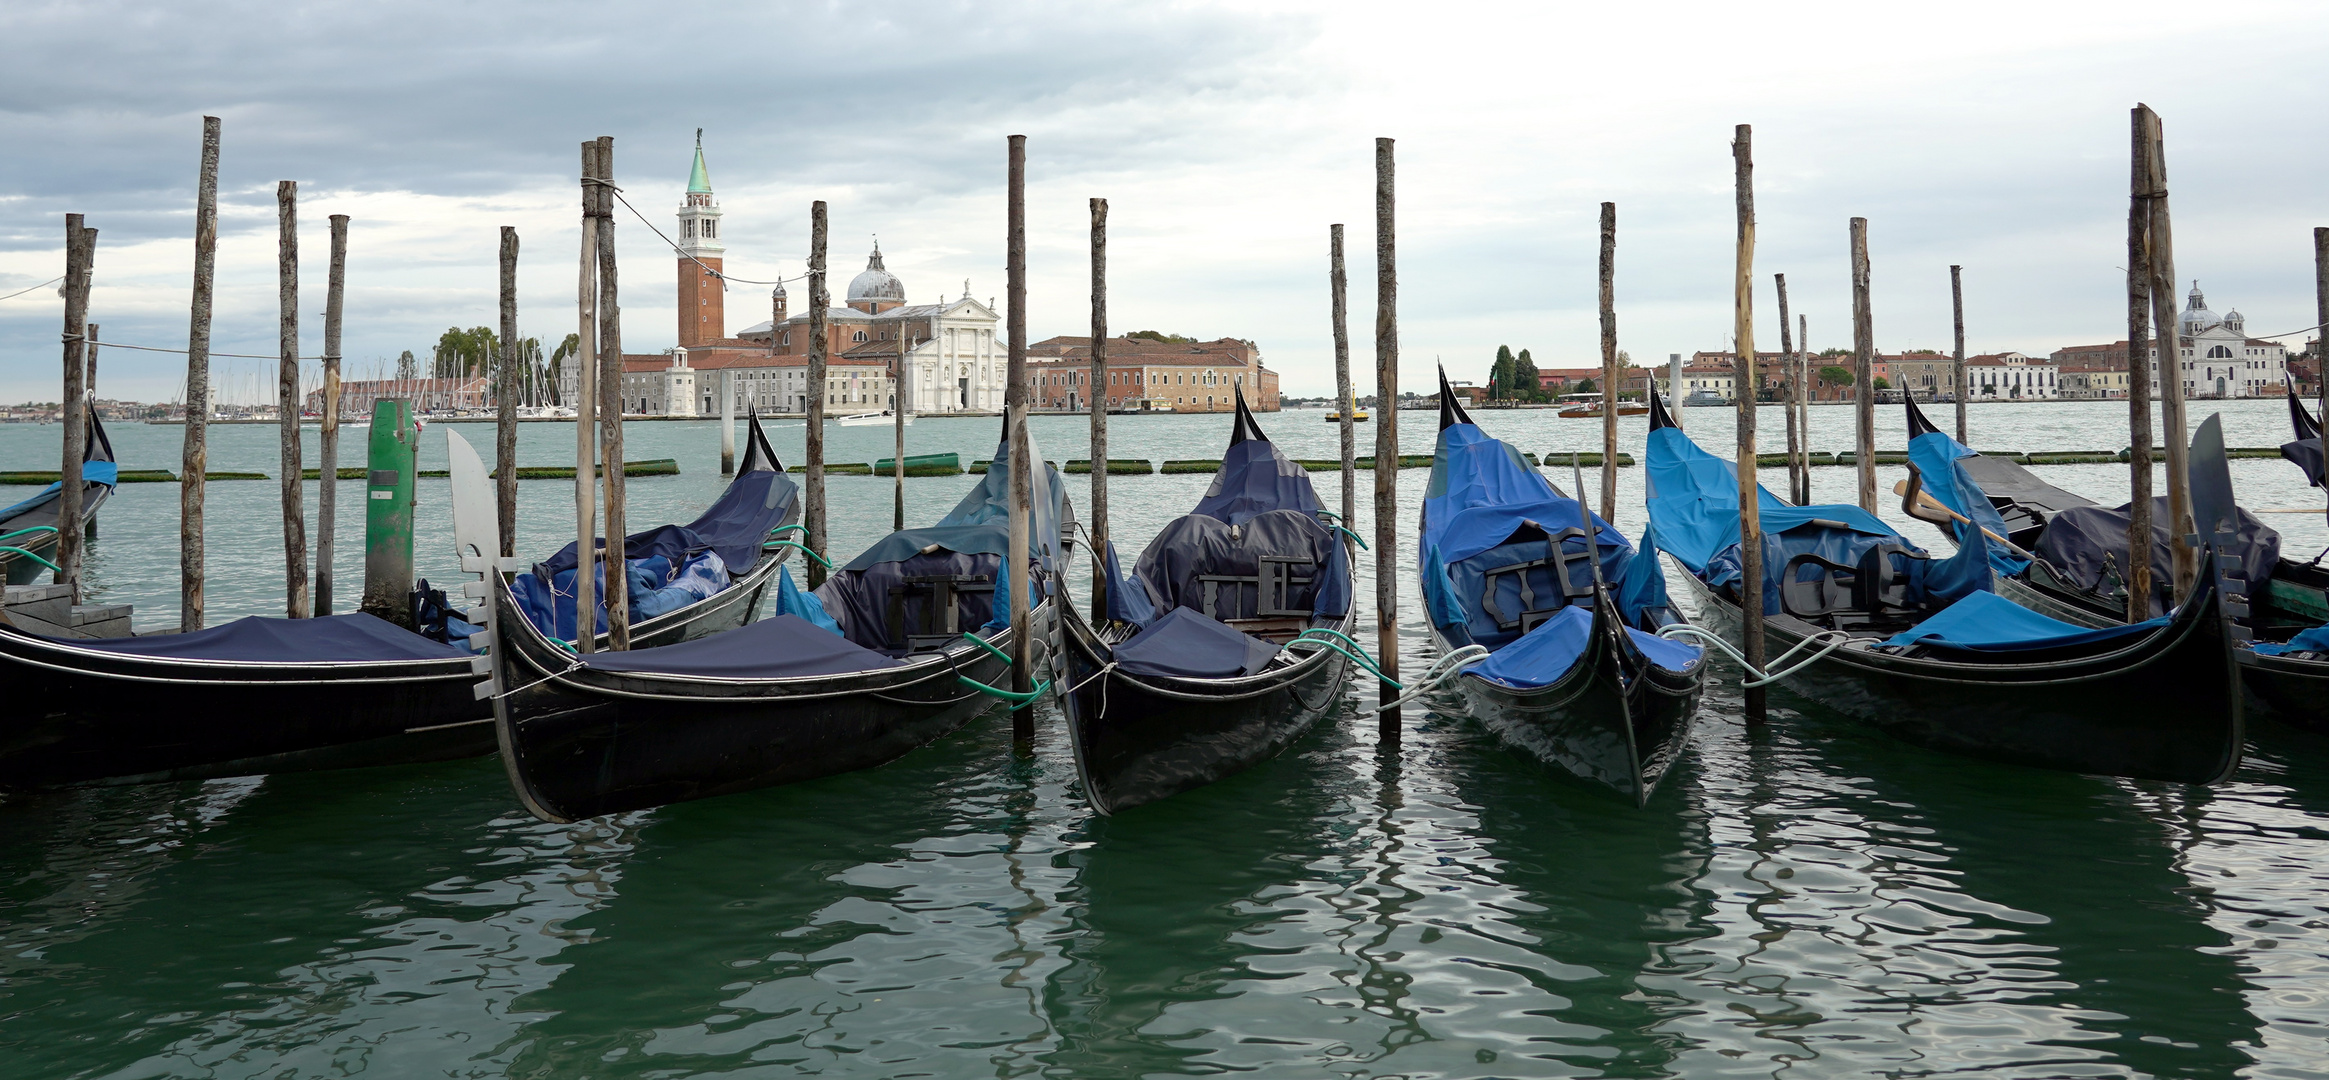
{"x": 1609, "y": 371}
{"x": 1099, "y": 454}
{"x": 80, "y": 253}
{"x": 327, "y": 455}
{"x": 813, "y": 480}
{"x": 295, "y": 599}
{"x": 1743, "y": 337}
{"x": 1338, "y": 283}
{"x": 585, "y": 361}
{"x": 2140, "y": 370}
{"x": 194, "y": 460}
{"x": 1790, "y": 390}
{"x": 1015, "y": 409}
{"x": 1957, "y": 366}
{"x": 1863, "y": 369}
{"x": 1386, "y": 435}
{"x": 610, "y": 403}
{"x": 505, "y": 425}
{"x": 2159, "y": 260}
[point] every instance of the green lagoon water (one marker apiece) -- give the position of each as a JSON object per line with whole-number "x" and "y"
{"x": 1809, "y": 899}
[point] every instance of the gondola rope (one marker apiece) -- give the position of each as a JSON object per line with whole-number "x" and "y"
{"x": 1828, "y": 642}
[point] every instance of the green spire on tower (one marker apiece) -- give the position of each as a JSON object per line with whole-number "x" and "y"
{"x": 699, "y": 182}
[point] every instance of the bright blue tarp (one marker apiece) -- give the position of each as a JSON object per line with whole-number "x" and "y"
{"x": 92, "y": 472}
{"x": 1547, "y": 652}
{"x": 1939, "y": 459}
{"x": 2315, "y": 640}
{"x": 1987, "y": 622}
{"x": 328, "y": 639}
{"x": 1185, "y": 642}
{"x": 786, "y": 646}
{"x": 791, "y": 600}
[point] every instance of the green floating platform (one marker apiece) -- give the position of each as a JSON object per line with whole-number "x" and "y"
{"x": 1116, "y": 466}
{"x": 1585, "y": 458}
{"x": 949, "y": 464}
{"x": 2073, "y": 457}
{"x": 980, "y": 466}
{"x": 1881, "y": 457}
{"x": 650, "y": 467}
{"x": 838, "y": 468}
{"x": 126, "y": 476}
{"x": 2252, "y": 452}
{"x": 1196, "y": 466}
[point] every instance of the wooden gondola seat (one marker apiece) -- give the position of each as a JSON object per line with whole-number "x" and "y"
{"x": 1273, "y": 586}
{"x": 937, "y": 619}
{"x": 1846, "y": 596}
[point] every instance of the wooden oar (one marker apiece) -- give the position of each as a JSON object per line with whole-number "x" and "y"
{"x": 1928, "y": 502}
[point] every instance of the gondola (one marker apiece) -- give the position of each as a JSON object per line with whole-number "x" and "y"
{"x": 1923, "y": 647}
{"x": 898, "y": 648}
{"x": 28, "y": 530}
{"x": 1576, "y": 674}
{"x": 2074, "y": 559}
{"x": 266, "y": 695}
{"x": 1192, "y": 676}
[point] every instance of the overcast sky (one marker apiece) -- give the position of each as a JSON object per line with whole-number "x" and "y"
{"x": 1226, "y": 137}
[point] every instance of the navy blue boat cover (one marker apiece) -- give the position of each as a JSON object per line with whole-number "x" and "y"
{"x": 1185, "y": 643}
{"x": 664, "y": 568}
{"x": 1255, "y": 478}
{"x": 1694, "y": 505}
{"x": 785, "y": 647}
{"x": 2088, "y": 545}
{"x": 990, "y": 502}
{"x": 256, "y": 639}
{"x": 1486, "y": 510}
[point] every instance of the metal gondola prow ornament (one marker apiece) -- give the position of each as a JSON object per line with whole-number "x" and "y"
{"x": 473, "y": 541}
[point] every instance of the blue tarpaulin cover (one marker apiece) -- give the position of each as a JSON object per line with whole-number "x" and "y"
{"x": 990, "y": 502}
{"x": 1129, "y": 600}
{"x": 2315, "y": 640}
{"x": 1187, "y": 644}
{"x": 92, "y": 472}
{"x": 1485, "y": 510}
{"x": 791, "y": 600}
{"x": 732, "y": 528}
{"x": 784, "y": 647}
{"x": 1987, "y": 622}
{"x": 1694, "y": 505}
{"x": 1939, "y": 460}
{"x": 1255, "y": 479}
{"x": 1547, "y": 652}
{"x": 327, "y": 639}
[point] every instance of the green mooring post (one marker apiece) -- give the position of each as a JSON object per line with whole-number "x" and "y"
{"x": 388, "y": 500}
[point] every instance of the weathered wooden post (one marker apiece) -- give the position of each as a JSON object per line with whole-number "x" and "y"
{"x": 1338, "y": 282}
{"x": 2321, "y": 318}
{"x": 194, "y": 462}
{"x": 295, "y": 599}
{"x": 505, "y": 420}
{"x": 1386, "y": 435}
{"x": 1609, "y": 370}
{"x": 2140, "y": 370}
{"x": 610, "y": 403}
{"x": 1750, "y": 503}
{"x": 80, "y": 253}
{"x": 813, "y": 487}
{"x": 585, "y": 361}
{"x": 2159, "y": 244}
{"x": 327, "y": 458}
{"x": 1015, "y": 408}
{"x": 1789, "y": 388}
{"x": 1863, "y": 369}
{"x": 728, "y": 415}
{"x": 1957, "y": 366}
{"x": 1099, "y": 454}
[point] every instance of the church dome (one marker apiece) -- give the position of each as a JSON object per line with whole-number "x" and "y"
{"x": 876, "y": 283}
{"x": 2196, "y": 316}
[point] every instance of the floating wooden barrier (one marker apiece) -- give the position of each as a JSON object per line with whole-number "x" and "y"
{"x": 1199, "y": 466}
{"x": 839, "y": 468}
{"x": 1116, "y": 466}
{"x": 948, "y": 464}
{"x": 128, "y": 476}
{"x": 1851, "y": 458}
{"x": 2075, "y": 457}
{"x": 980, "y": 466}
{"x": 1585, "y": 457}
{"x": 649, "y": 467}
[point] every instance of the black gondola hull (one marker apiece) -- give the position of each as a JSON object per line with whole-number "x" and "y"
{"x": 582, "y": 743}
{"x": 1614, "y": 719}
{"x": 1139, "y": 739}
{"x": 2165, "y": 707}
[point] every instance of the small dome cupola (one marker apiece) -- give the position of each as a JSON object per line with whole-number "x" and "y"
{"x": 2196, "y": 316}
{"x": 2234, "y": 322}
{"x": 877, "y": 289}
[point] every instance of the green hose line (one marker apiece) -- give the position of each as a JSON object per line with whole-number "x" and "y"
{"x": 35, "y": 558}
{"x": 786, "y": 528}
{"x": 34, "y": 529}
{"x": 821, "y": 560}
{"x": 984, "y": 644}
{"x": 1354, "y": 536}
{"x": 1013, "y": 697}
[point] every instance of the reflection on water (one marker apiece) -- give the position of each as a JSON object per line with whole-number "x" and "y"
{"x": 1808, "y": 898}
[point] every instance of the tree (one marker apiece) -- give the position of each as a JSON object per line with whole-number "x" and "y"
{"x": 1833, "y": 352}
{"x": 1881, "y": 383}
{"x": 461, "y": 354}
{"x": 406, "y": 366}
{"x": 1169, "y": 339}
{"x": 1832, "y": 375}
{"x": 1526, "y": 385}
{"x": 1585, "y": 386}
{"x": 1500, "y": 374}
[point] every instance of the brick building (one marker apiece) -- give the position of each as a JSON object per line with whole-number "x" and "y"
{"x": 1195, "y": 376}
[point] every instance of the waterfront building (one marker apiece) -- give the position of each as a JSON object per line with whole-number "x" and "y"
{"x": 2011, "y": 376}
{"x": 1183, "y": 376}
{"x": 2215, "y": 356}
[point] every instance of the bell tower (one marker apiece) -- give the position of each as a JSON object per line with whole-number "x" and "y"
{"x": 701, "y": 315}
